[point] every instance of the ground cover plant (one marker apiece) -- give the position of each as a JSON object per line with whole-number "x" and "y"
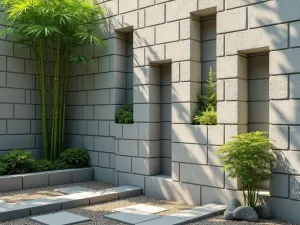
{"x": 124, "y": 115}
{"x": 53, "y": 28}
{"x": 249, "y": 158}
{"x": 22, "y": 161}
{"x": 207, "y": 114}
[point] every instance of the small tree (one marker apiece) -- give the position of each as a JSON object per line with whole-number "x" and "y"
{"x": 207, "y": 114}
{"x": 248, "y": 157}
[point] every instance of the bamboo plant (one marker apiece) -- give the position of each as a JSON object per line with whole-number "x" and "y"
{"x": 55, "y": 27}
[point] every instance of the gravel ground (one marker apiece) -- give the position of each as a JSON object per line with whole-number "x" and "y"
{"x": 97, "y": 212}
{"x": 47, "y": 192}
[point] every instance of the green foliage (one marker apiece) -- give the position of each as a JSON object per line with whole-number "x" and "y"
{"x": 54, "y": 28}
{"x": 205, "y": 118}
{"x": 74, "y": 158}
{"x": 124, "y": 115}
{"x": 248, "y": 157}
{"x": 43, "y": 165}
{"x": 16, "y": 162}
{"x": 207, "y": 114}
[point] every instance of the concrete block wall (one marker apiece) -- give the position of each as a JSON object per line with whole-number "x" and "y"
{"x": 19, "y": 96}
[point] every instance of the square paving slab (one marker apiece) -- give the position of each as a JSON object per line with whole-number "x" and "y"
{"x": 131, "y": 218}
{"x": 73, "y": 190}
{"x": 141, "y": 208}
{"x": 165, "y": 220}
{"x": 61, "y": 218}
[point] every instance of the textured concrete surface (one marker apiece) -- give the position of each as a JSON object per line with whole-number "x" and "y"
{"x": 61, "y": 218}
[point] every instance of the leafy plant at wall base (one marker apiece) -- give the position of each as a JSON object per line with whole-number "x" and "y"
{"x": 74, "y": 157}
{"x": 17, "y": 162}
{"x": 53, "y": 28}
{"x": 44, "y": 165}
{"x": 124, "y": 115}
{"x": 248, "y": 157}
{"x": 205, "y": 118}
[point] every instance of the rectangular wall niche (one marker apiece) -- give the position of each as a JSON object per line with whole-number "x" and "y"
{"x": 258, "y": 92}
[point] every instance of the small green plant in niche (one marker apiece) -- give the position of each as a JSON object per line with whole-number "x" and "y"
{"x": 124, "y": 115}
{"x": 207, "y": 114}
{"x": 249, "y": 158}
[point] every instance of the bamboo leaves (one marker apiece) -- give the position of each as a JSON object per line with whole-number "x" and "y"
{"x": 56, "y": 27}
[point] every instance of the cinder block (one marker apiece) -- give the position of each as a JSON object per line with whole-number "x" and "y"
{"x": 139, "y": 57}
{"x": 294, "y": 34}
{"x": 233, "y": 130}
{"x": 104, "y": 64}
{"x": 117, "y": 63}
{"x": 132, "y": 179}
{"x": 167, "y": 33}
{"x": 155, "y": 15}
{"x": 18, "y": 126}
{"x": 8, "y": 95}
{"x": 193, "y": 134}
{"x": 294, "y": 83}
{"x": 190, "y": 29}
{"x": 279, "y": 114}
{"x": 190, "y": 71}
{"x": 130, "y": 131}
{"x": 143, "y": 37}
{"x": 59, "y": 177}
{"x": 104, "y": 144}
{"x": 123, "y": 164}
{"x": 2, "y": 126}
{"x": 113, "y": 6}
{"x": 246, "y": 41}
{"x": 234, "y": 4}
{"x": 232, "y": 20}
{"x": 185, "y": 92}
{"x": 104, "y": 112}
{"x": 7, "y": 48}
{"x": 11, "y": 183}
{"x": 232, "y": 67}
{"x": 7, "y": 111}
{"x": 16, "y": 65}
{"x": 92, "y": 127}
{"x": 287, "y": 162}
{"x": 130, "y": 20}
{"x": 82, "y": 175}
{"x": 35, "y": 180}
{"x": 294, "y": 138}
{"x": 163, "y": 187}
{"x": 216, "y": 135}
{"x": 232, "y": 112}
{"x": 74, "y": 112}
{"x": 98, "y": 97}
{"x": 146, "y": 166}
{"x": 237, "y": 89}
{"x": 128, "y": 147}
{"x": 119, "y": 130}
{"x": 155, "y": 54}
{"x": 258, "y": 112}
{"x": 146, "y": 113}
{"x": 146, "y": 94}
{"x": 104, "y": 159}
{"x": 112, "y": 161}
{"x": 270, "y": 12}
{"x": 88, "y": 142}
{"x": 183, "y": 50}
{"x": 207, "y": 7}
{"x": 104, "y": 128}
{"x": 189, "y": 153}
{"x": 213, "y": 158}
{"x": 180, "y": 9}
{"x": 146, "y": 75}
{"x": 202, "y": 175}
{"x": 258, "y": 90}
{"x": 279, "y": 184}
{"x": 18, "y": 141}
{"x": 217, "y": 195}
{"x": 220, "y": 90}
{"x": 189, "y": 110}
{"x": 175, "y": 171}
{"x": 279, "y": 136}
{"x": 149, "y": 149}
{"x": 279, "y": 87}
{"x": 24, "y": 111}
{"x": 104, "y": 175}
{"x": 208, "y": 29}
{"x": 143, "y": 4}
{"x": 125, "y": 6}
{"x": 17, "y": 80}
{"x": 295, "y": 187}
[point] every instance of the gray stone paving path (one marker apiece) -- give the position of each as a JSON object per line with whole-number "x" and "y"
{"x": 10, "y": 211}
{"x": 73, "y": 190}
{"x": 131, "y": 217}
{"x": 61, "y": 218}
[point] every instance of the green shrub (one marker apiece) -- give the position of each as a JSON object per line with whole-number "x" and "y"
{"x": 248, "y": 157}
{"x": 73, "y": 158}
{"x": 17, "y": 162}
{"x": 124, "y": 115}
{"x": 207, "y": 114}
{"x": 44, "y": 165}
{"x": 205, "y": 118}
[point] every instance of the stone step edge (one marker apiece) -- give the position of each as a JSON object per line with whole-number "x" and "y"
{"x": 79, "y": 200}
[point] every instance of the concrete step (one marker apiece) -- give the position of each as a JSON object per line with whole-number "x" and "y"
{"x": 10, "y": 211}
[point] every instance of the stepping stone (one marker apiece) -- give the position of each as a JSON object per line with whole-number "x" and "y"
{"x": 11, "y": 211}
{"x": 165, "y": 220}
{"x": 72, "y": 201}
{"x": 141, "y": 208}
{"x": 61, "y": 218}
{"x": 73, "y": 190}
{"x": 131, "y": 218}
{"x": 200, "y": 212}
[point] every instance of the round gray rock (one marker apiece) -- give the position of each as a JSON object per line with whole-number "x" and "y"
{"x": 233, "y": 204}
{"x": 228, "y": 215}
{"x": 245, "y": 213}
{"x": 263, "y": 212}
